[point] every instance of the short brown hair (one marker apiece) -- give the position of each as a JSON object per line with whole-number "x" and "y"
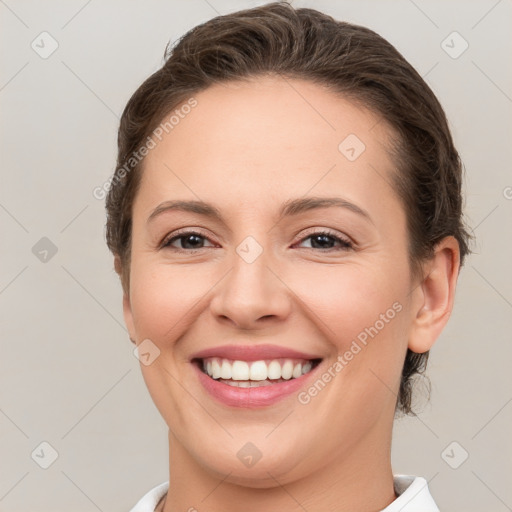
{"x": 277, "y": 39}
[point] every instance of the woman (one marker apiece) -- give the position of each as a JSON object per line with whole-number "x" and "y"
{"x": 286, "y": 222}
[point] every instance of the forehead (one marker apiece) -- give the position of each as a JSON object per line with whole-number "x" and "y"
{"x": 268, "y": 136}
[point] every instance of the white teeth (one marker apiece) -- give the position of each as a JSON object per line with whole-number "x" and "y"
{"x": 306, "y": 368}
{"x": 225, "y": 370}
{"x": 248, "y": 383}
{"x": 287, "y": 370}
{"x": 274, "y": 370}
{"x": 263, "y": 371}
{"x": 258, "y": 371}
{"x": 239, "y": 370}
{"x": 215, "y": 369}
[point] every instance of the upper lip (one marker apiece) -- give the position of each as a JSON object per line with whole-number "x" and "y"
{"x": 253, "y": 353}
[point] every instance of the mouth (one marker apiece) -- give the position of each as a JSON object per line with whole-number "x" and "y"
{"x": 255, "y": 374}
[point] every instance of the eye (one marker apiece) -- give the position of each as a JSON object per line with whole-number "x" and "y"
{"x": 192, "y": 239}
{"x": 319, "y": 240}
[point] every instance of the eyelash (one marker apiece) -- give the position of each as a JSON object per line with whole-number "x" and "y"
{"x": 346, "y": 245}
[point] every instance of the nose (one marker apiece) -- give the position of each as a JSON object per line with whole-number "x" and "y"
{"x": 252, "y": 294}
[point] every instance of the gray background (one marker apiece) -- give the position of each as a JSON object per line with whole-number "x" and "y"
{"x": 68, "y": 374}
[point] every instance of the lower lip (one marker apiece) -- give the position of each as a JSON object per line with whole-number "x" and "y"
{"x": 251, "y": 398}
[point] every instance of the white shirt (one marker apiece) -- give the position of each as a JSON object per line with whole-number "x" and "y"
{"x": 412, "y": 491}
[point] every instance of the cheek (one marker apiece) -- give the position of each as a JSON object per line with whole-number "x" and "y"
{"x": 362, "y": 312}
{"x": 165, "y": 298}
{"x": 345, "y": 300}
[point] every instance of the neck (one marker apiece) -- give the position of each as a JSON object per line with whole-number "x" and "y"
{"x": 360, "y": 479}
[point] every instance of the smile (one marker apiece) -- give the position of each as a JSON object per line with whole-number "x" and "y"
{"x": 253, "y": 384}
{"x": 256, "y": 373}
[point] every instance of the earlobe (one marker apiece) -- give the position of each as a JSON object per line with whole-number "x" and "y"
{"x": 128, "y": 318}
{"x": 117, "y": 264}
{"x": 436, "y": 295}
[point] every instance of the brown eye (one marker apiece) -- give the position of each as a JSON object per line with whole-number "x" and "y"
{"x": 190, "y": 241}
{"x": 324, "y": 239}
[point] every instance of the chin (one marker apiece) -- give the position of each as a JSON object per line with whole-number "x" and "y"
{"x": 251, "y": 467}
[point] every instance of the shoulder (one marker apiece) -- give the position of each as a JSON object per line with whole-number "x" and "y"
{"x": 149, "y": 501}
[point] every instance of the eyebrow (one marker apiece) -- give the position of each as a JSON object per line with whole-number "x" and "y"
{"x": 291, "y": 207}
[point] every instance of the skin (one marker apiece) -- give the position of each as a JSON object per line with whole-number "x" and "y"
{"x": 248, "y": 147}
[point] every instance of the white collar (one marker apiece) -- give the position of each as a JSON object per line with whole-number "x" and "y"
{"x": 412, "y": 491}
{"x": 413, "y": 495}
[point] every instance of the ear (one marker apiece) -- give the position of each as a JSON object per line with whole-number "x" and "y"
{"x": 128, "y": 318}
{"x": 127, "y": 308}
{"x": 118, "y": 267}
{"x": 434, "y": 296}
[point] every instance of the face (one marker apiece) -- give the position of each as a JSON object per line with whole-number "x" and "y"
{"x": 269, "y": 275}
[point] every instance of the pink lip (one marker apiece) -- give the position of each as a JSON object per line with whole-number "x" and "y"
{"x": 252, "y": 398}
{"x": 253, "y": 353}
